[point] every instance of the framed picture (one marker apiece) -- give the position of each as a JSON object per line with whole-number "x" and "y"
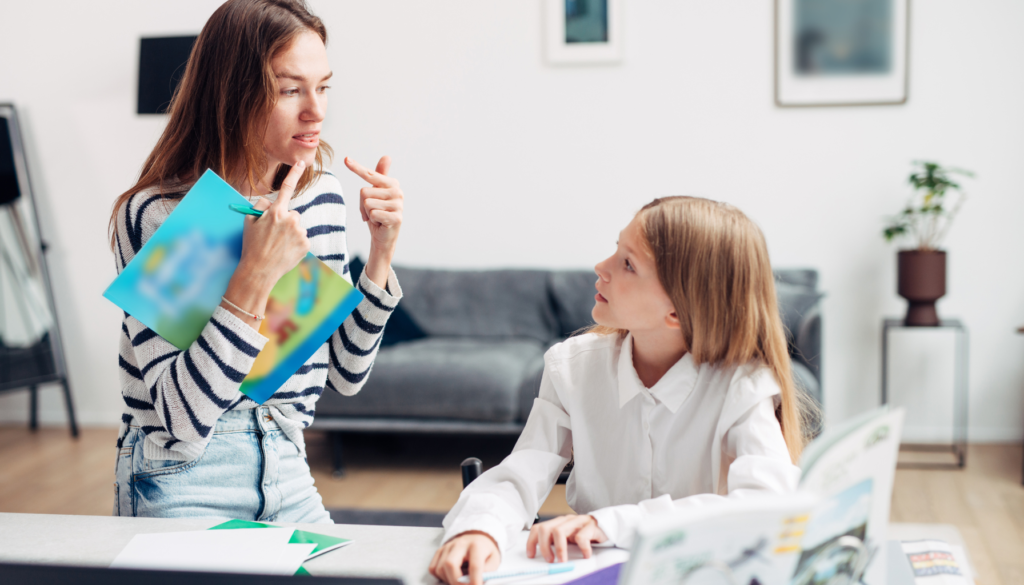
{"x": 583, "y": 31}
{"x": 841, "y": 52}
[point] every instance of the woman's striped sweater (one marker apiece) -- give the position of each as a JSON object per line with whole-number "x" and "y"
{"x": 177, "y": 396}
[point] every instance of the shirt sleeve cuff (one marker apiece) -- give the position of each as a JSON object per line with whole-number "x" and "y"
{"x": 618, "y": 523}
{"x": 485, "y": 523}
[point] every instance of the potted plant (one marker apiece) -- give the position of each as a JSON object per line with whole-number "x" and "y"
{"x": 925, "y": 221}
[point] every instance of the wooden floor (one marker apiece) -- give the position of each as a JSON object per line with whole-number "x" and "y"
{"x": 49, "y": 473}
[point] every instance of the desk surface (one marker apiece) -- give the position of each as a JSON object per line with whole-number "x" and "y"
{"x": 376, "y": 551}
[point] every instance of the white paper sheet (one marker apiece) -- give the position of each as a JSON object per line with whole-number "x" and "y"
{"x": 515, "y": 558}
{"x": 263, "y": 550}
{"x": 293, "y": 555}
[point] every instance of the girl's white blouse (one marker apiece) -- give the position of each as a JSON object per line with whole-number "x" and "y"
{"x": 700, "y": 435}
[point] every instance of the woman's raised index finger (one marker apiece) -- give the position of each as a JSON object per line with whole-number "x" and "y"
{"x": 375, "y": 179}
{"x": 289, "y": 183}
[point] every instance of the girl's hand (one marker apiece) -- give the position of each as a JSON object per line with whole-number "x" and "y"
{"x": 474, "y": 548}
{"x": 557, "y": 533}
{"x": 381, "y": 207}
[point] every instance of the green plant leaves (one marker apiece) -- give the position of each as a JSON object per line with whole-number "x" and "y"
{"x": 926, "y": 216}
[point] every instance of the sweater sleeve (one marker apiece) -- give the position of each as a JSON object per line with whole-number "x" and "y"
{"x": 354, "y": 345}
{"x": 186, "y": 390}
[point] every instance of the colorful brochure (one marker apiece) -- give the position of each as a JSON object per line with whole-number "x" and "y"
{"x": 175, "y": 282}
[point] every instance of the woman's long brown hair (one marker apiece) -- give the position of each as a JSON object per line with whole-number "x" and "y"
{"x": 712, "y": 260}
{"x": 219, "y": 112}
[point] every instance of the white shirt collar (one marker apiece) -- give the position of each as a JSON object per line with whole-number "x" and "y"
{"x": 671, "y": 390}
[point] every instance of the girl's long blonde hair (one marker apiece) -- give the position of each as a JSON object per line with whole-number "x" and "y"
{"x": 713, "y": 262}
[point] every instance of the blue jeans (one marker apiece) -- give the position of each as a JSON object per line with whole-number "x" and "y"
{"x": 250, "y": 470}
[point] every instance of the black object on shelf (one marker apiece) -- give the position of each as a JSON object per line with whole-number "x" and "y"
{"x": 34, "y": 354}
{"x": 162, "y": 63}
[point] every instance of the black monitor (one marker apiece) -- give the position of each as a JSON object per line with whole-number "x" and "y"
{"x": 11, "y": 574}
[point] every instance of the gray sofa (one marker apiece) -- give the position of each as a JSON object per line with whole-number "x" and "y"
{"x": 474, "y": 363}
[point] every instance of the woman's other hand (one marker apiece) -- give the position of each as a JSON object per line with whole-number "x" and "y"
{"x": 272, "y": 244}
{"x": 381, "y": 206}
{"x": 474, "y": 549}
{"x": 559, "y": 532}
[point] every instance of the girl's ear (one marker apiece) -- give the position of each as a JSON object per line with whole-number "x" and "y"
{"x": 672, "y": 321}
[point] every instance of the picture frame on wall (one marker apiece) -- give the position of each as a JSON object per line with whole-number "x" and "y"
{"x": 583, "y": 31}
{"x": 841, "y": 53}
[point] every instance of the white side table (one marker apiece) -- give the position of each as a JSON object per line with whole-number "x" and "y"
{"x": 958, "y": 445}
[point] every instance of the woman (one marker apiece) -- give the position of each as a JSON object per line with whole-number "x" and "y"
{"x": 250, "y": 106}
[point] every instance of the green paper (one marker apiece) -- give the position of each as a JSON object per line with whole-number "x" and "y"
{"x": 323, "y": 542}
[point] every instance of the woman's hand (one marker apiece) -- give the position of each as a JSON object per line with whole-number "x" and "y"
{"x": 272, "y": 245}
{"x": 474, "y": 548}
{"x": 558, "y": 532}
{"x": 381, "y": 207}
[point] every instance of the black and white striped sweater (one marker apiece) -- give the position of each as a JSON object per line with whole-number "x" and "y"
{"x": 177, "y": 396}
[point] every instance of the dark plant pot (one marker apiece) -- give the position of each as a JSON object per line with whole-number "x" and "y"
{"x": 922, "y": 281}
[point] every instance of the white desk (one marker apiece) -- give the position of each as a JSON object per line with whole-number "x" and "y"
{"x": 377, "y": 551}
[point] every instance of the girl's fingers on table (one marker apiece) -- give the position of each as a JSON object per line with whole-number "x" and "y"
{"x": 435, "y": 563}
{"x": 477, "y": 559}
{"x": 560, "y": 539}
{"x": 531, "y": 541}
{"x": 582, "y": 540}
{"x": 452, "y": 563}
{"x": 544, "y": 538}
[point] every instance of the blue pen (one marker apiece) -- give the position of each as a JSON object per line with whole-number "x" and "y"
{"x": 245, "y": 210}
{"x": 548, "y": 570}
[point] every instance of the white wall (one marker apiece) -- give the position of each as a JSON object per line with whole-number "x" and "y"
{"x": 509, "y": 162}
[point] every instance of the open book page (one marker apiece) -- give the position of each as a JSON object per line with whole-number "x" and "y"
{"x": 747, "y": 541}
{"x": 852, "y": 470}
{"x": 516, "y": 559}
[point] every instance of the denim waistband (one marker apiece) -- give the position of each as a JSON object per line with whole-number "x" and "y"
{"x": 260, "y": 418}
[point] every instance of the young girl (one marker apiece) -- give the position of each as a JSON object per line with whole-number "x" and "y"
{"x": 680, "y": 397}
{"x": 250, "y": 106}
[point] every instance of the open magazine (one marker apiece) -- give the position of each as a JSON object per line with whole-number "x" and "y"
{"x": 834, "y": 527}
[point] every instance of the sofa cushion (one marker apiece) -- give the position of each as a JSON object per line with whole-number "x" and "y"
{"x": 438, "y": 378}
{"x": 503, "y": 304}
{"x": 572, "y": 294}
